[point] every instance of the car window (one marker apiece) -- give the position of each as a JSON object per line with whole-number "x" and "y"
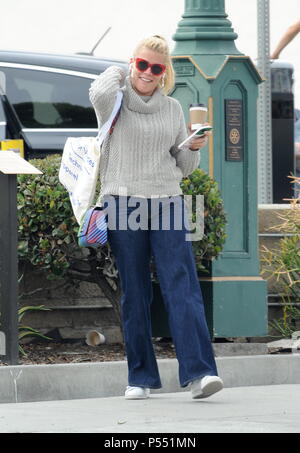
{"x": 50, "y": 100}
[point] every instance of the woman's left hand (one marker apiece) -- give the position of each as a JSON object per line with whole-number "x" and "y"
{"x": 199, "y": 142}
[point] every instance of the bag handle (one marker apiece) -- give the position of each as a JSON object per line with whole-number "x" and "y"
{"x": 104, "y": 130}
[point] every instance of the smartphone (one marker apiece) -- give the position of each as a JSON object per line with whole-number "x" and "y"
{"x": 202, "y": 131}
{"x": 199, "y": 132}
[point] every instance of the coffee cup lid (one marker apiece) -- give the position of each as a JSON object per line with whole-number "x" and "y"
{"x": 197, "y": 105}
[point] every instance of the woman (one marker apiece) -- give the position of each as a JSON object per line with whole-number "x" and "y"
{"x": 142, "y": 164}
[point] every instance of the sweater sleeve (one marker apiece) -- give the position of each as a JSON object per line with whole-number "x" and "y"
{"x": 186, "y": 159}
{"x": 103, "y": 91}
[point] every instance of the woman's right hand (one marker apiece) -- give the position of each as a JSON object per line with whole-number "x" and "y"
{"x": 199, "y": 142}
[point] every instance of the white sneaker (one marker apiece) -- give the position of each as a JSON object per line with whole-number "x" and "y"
{"x": 207, "y": 386}
{"x": 136, "y": 393}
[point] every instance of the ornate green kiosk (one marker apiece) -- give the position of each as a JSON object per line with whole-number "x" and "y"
{"x": 210, "y": 70}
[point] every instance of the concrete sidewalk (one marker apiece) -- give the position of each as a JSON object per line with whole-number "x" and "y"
{"x": 259, "y": 409}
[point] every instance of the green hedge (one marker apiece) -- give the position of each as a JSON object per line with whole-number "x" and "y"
{"x": 47, "y": 225}
{"x": 48, "y": 228}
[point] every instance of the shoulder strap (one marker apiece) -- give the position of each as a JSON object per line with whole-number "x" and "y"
{"x": 105, "y": 129}
{"x": 114, "y": 122}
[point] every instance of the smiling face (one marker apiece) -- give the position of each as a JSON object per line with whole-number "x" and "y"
{"x": 145, "y": 83}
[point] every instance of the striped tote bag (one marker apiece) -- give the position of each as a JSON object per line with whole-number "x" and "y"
{"x": 93, "y": 229}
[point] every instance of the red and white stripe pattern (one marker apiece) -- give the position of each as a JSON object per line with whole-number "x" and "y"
{"x": 93, "y": 232}
{"x": 97, "y": 232}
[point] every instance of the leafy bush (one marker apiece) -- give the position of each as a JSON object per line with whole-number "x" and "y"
{"x": 48, "y": 228}
{"x": 46, "y": 222}
{"x": 210, "y": 246}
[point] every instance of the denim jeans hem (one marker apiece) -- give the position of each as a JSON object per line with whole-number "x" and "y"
{"x": 186, "y": 383}
{"x": 145, "y": 386}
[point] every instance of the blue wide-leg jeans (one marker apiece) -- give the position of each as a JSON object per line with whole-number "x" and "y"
{"x": 133, "y": 248}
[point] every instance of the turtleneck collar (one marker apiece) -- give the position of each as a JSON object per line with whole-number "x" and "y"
{"x": 135, "y": 102}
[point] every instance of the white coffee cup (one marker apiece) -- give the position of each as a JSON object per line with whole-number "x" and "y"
{"x": 198, "y": 115}
{"x": 94, "y": 338}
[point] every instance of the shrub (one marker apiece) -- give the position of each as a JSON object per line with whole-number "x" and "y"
{"x": 213, "y": 240}
{"x": 46, "y": 222}
{"x": 283, "y": 263}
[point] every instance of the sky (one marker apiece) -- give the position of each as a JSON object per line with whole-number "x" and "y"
{"x": 69, "y": 26}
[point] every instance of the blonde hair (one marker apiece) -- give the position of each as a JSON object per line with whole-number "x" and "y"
{"x": 159, "y": 44}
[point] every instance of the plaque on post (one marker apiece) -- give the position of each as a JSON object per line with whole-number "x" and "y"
{"x": 234, "y": 130}
{"x": 10, "y": 166}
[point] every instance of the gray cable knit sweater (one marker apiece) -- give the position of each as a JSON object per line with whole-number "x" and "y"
{"x": 141, "y": 157}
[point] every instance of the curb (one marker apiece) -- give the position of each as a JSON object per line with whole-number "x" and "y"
{"x": 31, "y": 383}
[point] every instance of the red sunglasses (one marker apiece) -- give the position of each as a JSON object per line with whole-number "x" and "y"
{"x": 142, "y": 66}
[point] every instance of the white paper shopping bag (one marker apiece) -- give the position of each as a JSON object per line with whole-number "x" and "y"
{"x": 79, "y": 170}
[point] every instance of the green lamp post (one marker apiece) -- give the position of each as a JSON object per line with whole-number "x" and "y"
{"x": 210, "y": 69}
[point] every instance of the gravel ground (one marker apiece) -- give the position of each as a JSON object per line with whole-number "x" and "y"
{"x": 53, "y": 353}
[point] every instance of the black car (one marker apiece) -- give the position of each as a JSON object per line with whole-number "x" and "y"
{"x": 46, "y": 98}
